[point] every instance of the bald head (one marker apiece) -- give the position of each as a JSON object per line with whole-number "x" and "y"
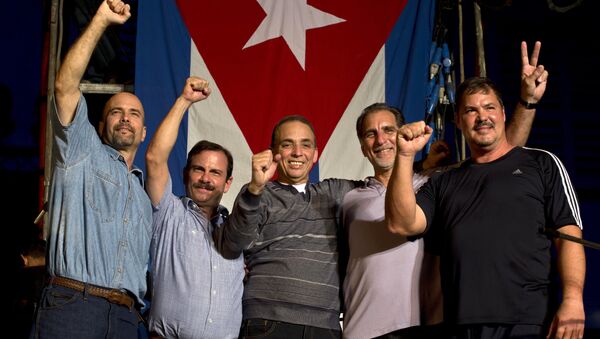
{"x": 123, "y": 99}
{"x": 122, "y": 125}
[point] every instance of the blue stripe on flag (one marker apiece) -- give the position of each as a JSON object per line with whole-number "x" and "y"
{"x": 407, "y": 59}
{"x": 162, "y": 65}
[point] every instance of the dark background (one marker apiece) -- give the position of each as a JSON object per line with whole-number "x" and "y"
{"x": 568, "y": 116}
{"x": 568, "y": 119}
{"x": 566, "y": 123}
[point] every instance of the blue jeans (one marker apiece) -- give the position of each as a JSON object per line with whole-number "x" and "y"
{"x": 263, "y": 328}
{"x": 66, "y": 313}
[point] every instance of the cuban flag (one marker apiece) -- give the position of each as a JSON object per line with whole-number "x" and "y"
{"x": 324, "y": 59}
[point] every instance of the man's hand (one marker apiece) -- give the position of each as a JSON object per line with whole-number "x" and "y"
{"x": 439, "y": 155}
{"x": 114, "y": 12}
{"x": 264, "y": 165}
{"x": 412, "y": 138}
{"x": 533, "y": 76}
{"x": 533, "y": 85}
{"x": 569, "y": 321}
{"x": 195, "y": 89}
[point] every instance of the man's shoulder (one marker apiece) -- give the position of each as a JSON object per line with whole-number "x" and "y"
{"x": 369, "y": 184}
{"x": 537, "y": 153}
{"x": 536, "y": 157}
{"x": 369, "y": 191}
{"x": 336, "y": 187}
{"x": 172, "y": 205}
{"x": 337, "y": 182}
{"x": 173, "y": 211}
{"x": 80, "y": 116}
{"x": 442, "y": 171}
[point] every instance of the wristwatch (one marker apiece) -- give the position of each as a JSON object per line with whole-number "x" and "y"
{"x": 528, "y": 105}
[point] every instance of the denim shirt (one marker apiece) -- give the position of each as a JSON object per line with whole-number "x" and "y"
{"x": 100, "y": 216}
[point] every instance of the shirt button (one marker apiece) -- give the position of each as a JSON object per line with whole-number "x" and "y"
{"x": 214, "y": 292}
{"x": 119, "y": 270}
{"x": 125, "y": 221}
{"x": 209, "y": 320}
{"x": 214, "y": 267}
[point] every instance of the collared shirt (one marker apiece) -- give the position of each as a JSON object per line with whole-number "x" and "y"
{"x": 381, "y": 288}
{"x": 100, "y": 216}
{"x": 196, "y": 292}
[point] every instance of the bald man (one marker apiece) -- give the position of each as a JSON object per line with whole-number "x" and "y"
{"x": 99, "y": 214}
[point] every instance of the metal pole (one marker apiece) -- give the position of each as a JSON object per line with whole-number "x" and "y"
{"x": 463, "y": 148}
{"x": 479, "y": 41}
{"x": 52, "y": 62}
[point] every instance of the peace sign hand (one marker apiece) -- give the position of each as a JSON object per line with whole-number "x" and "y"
{"x": 534, "y": 77}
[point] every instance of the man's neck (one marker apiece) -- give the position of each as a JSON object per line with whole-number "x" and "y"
{"x": 383, "y": 176}
{"x": 286, "y": 182}
{"x": 209, "y": 211}
{"x": 482, "y": 155}
{"x": 300, "y": 187}
{"x": 128, "y": 156}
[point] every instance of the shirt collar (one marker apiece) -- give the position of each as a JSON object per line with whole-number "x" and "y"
{"x": 218, "y": 218}
{"x": 371, "y": 182}
{"x": 289, "y": 187}
{"x": 116, "y": 156}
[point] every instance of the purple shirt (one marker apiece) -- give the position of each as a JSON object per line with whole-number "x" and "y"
{"x": 381, "y": 288}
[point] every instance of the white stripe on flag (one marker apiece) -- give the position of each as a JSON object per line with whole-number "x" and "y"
{"x": 212, "y": 120}
{"x": 342, "y": 157}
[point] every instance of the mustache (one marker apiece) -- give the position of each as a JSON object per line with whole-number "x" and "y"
{"x": 379, "y": 149}
{"x": 203, "y": 185}
{"x": 124, "y": 125}
{"x": 382, "y": 147}
{"x": 485, "y": 123}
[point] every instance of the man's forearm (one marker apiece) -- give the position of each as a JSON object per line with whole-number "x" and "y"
{"x": 569, "y": 320}
{"x": 571, "y": 264}
{"x": 164, "y": 138}
{"x": 241, "y": 228}
{"x": 159, "y": 149}
{"x": 73, "y": 68}
{"x": 400, "y": 202}
{"x": 519, "y": 126}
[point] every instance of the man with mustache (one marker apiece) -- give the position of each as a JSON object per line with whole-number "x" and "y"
{"x": 391, "y": 287}
{"x": 99, "y": 214}
{"x": 196, "y": 291}
{"x": 288, "y": 230}
{"x": 489, "y": 215}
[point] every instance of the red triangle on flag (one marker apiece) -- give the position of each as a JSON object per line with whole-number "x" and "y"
{"x": 264, "y": 82}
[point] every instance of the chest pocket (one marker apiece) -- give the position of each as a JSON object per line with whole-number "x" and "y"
{"x": 103, "y": 194}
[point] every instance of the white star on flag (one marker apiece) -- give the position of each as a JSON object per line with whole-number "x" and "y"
{"x": 290, "y": 19}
